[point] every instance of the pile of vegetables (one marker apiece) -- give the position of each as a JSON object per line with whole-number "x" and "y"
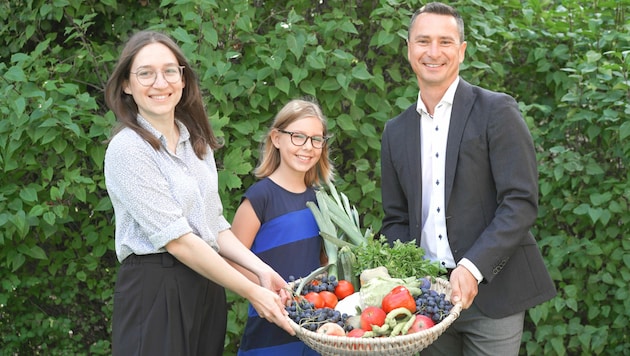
{"x": 392, "y": 282}
{"x": 383, "y": 307}
{"x": 351, "y": 251}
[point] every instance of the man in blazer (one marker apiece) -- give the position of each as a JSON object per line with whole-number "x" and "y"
{"x": 459, "y": 175}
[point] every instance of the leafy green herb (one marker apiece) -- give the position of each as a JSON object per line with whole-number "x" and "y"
{"x": 403, "y": 259}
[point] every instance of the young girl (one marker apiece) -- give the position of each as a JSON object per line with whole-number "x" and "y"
{"x": 171, "y": 235}
{"x": 273, "y": 219}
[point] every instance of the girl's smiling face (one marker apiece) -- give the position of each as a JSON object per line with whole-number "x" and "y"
{"x": 156, "y": 101}
{"x": 298, "y": 159}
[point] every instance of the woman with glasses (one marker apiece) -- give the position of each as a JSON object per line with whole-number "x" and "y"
{"x": 273, "y": 219}
{"x": 171, "y": 236}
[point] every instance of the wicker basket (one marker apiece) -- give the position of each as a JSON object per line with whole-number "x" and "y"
{"x": 398, "y": 345}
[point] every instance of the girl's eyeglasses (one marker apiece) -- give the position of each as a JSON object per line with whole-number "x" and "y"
{"x": 299, "y": 139}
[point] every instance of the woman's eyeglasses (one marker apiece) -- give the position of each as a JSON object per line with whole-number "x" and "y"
{"x": 147, "y": 76}
{"x": 299, "y": 139}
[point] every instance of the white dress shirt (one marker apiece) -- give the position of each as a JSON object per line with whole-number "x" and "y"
{"x": 434, "y": 133}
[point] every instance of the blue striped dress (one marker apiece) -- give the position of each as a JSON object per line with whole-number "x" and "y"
{"x": 288, "y": 240}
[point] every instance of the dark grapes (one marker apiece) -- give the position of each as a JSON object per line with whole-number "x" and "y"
{"x": 304, "y": 314}
{"x": 432, "y": 304}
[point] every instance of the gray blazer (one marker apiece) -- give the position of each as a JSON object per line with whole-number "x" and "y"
{"x": 491, "y": 197}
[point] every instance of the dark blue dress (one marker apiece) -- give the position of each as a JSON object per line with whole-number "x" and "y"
{"x": 288, "y": 240}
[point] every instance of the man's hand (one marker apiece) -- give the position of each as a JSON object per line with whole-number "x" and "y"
{"x": 464, "y": 287}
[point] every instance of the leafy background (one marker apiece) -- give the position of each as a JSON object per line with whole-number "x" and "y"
{"x": 566, "y": 62}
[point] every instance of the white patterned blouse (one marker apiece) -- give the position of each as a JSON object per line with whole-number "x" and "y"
{"x": 159, "y": 196}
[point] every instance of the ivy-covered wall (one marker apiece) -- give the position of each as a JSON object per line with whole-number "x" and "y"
{"x": 567, "y": 62}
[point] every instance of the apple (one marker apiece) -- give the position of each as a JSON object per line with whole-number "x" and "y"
{"x": 356, "y": 332}
{"x": 331, "y": 329}
{"x": 422, "y": 322}
{"x": 372, "y": 316}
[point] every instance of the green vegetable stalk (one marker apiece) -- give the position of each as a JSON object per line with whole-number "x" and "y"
{"x": 339, "y": 227}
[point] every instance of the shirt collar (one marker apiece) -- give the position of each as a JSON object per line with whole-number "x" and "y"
{"x": 448, "y": 97}
{"x": 184, "y": 135}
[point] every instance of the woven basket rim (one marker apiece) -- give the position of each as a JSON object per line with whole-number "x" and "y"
{"x": 339, "y": 345}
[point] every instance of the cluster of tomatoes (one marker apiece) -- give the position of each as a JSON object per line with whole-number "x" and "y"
{"x": 327, "y": 291}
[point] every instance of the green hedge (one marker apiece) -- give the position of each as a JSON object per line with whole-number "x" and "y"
{"x": 566, "y": 62}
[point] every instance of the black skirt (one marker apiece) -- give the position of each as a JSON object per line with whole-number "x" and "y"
{"x": 162, "y": 307}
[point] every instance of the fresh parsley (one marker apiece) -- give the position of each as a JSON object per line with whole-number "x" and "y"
{"x": 402, "y": 259}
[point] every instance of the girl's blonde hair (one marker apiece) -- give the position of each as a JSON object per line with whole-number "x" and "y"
{"x": 320, "y": 174}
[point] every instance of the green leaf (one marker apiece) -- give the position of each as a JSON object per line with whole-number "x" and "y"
{"x": 28, "y": 194}
{"x": 348, "y": 27}
{"x": 308, "y": 88}
{"x": 360, "y": 72}
{"x": 624, "y": 129}
{"x": 346, "y": 123}
{"x": 601, "y": 198}
{"x": 15, "y": 74}
{"x": 315, "y": 61}
{"x": 283, "y": 84}
{"x": 296, "y": 45}
{"x": 37, "y": 252}
{"x": 298, "y": 74}
{"x": 479, "y": 65}
{"x": 17, "y": 261}
{"x": 330, "y": 84}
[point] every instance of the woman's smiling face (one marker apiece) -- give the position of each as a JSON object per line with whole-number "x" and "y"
{"x": 156, "y": 101}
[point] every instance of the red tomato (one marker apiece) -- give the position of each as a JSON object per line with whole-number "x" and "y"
{"x": 343, "y": 289}
{"x": 330, "y": 299}
{"x": 316, "y": 299}
{"x": 372, "y": 316}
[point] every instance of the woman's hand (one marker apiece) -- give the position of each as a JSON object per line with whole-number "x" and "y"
{"x": 271, "y": 280}
{"x": 270, "y": 306}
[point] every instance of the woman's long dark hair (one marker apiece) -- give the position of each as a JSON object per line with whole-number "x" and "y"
{"x": 190, "y": 110}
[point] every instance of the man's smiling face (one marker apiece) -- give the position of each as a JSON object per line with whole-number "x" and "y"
{"x": 435, "y": 50}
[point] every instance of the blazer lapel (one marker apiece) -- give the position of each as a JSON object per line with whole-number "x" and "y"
{"x": 414, "y": 157}
{"x": 462, "y": 104}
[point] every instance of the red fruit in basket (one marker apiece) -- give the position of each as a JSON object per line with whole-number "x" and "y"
{"x": 422, "y": 322}
{"x": 343, "y": 289}
{"x": 372, "y": 316}
{"x": 316, "y": 299}
{"x": 355, "y": 333}
{"x": 330, "y": 299}
{"x": 331, "y": 329}
{"x": 399, "y": 297}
